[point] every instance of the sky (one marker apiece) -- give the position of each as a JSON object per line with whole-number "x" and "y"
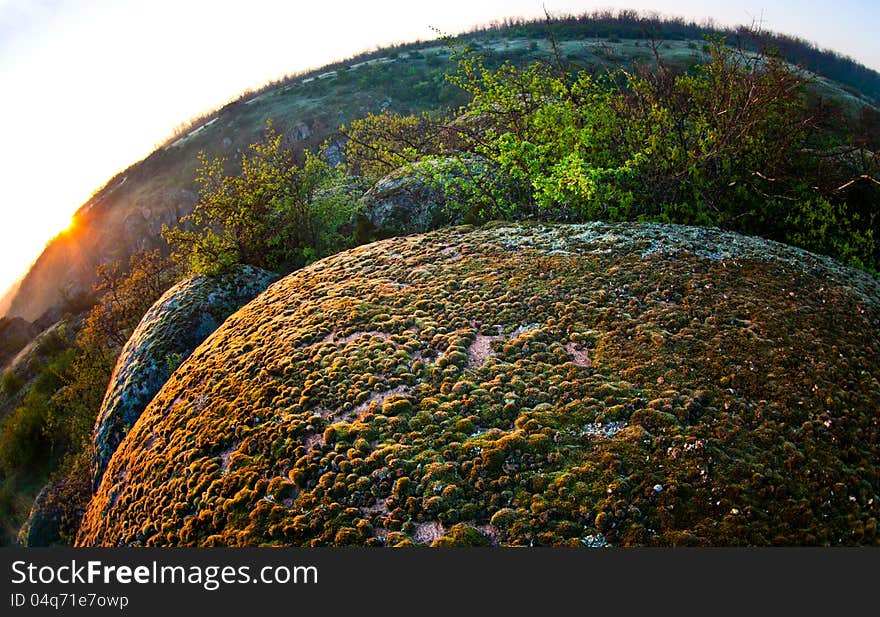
{"x": 89, "y": 87}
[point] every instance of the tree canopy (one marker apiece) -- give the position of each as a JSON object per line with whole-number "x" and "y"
{"x": 276, "y": 214}
{"x": 737, "y": 142}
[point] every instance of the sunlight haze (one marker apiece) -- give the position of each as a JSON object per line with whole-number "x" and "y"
{"x": 91, "y": 87}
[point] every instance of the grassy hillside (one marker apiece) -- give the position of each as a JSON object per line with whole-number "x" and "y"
{"x": 127, "y": 214}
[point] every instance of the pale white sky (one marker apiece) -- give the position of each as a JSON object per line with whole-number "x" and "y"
{"x": 88, "y": 87}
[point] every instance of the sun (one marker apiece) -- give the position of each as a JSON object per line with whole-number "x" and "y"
{"x": 71, "y": 228}
{"x": 22, "y": 242}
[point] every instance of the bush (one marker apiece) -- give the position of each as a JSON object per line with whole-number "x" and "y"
{"x": 11, "y": 383}
{"x": 276, "y": 214}
{"x": 24, "y": 443}
{"x": 734, "y": 143}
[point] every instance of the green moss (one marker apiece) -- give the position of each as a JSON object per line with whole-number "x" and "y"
{"x": 394, "y": 407}
{"x": 304, "y": 420}
{"x": 461, "y": 535}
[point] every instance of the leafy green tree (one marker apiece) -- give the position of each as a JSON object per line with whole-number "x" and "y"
{"x": 380, "y": 143}
{"x": 733, "y": 143}
{"x": 271, "y": 215}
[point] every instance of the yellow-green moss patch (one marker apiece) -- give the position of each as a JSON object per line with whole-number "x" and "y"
{"x": 557, "y": 385}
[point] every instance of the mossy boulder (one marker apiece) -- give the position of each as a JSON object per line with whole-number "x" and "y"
{"x": 56, "y": 512}
{"x": 43, "y": 526}
{"x": 173, "y": 327}
{"x": 562, "y": 385}
{"x": 402, "y": 203}
{"x": 422, "y": 196}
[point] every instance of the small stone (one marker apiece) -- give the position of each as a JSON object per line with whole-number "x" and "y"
{"x": 658, "y": 488}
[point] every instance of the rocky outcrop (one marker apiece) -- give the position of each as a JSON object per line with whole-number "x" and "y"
{"x": 300, "y": 131}
{"x": 334, "y": 151}
{"x": 56, "y": 512}
{"x": 423, "y": 196}
{"x": 579, "y": 385}
{"x": 175, "y": 325}
{"x": 403, "y": 203}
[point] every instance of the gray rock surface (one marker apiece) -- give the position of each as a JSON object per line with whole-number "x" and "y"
{"x": 43, "y": 525}
{"x": 168, "y": 333}
{"x": 57, "y": 510}
{"x": 419, "y": 197}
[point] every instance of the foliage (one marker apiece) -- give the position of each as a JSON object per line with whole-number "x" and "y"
{"x": 11, "y": 383}
{"x": 612, "y": 152}
{"x": 274, "y": 214}
{"x": 125, "y": 294}
{"x": 25, "y": 441}
{"x": 380, "y": 143}
{"x": 630, "y": 24}
{"x": 829, "y": 227}
{"x": 49, "y": 431}
{"x": 59, "y": 409}
{"x": 474, "y": 189}
{"x": 734, "y": 143}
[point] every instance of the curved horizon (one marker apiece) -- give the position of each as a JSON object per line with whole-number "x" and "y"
{"x": 93, "y": 78}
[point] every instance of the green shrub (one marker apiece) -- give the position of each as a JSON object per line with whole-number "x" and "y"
{"x": 24, "y": 443}
{"x": 276, "y": 214}
{"x": 734, "y": 143}
{"x": 11, "y": 383}
{"x": 380, "y": 143}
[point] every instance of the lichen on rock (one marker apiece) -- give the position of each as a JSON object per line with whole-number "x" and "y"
{"x": 423, "y": 196}
{"x": 58, "y": 508}
{"x": 43, "y": 525}
{"x": 521, "y": 385}
{"x": 173, "y": 327}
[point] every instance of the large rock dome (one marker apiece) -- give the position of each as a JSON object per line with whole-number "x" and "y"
{"x": 577, "y": 385}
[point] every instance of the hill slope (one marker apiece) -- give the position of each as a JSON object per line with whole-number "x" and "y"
{"x": 128, "y": 213}
{"x": 558, "y": 385}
